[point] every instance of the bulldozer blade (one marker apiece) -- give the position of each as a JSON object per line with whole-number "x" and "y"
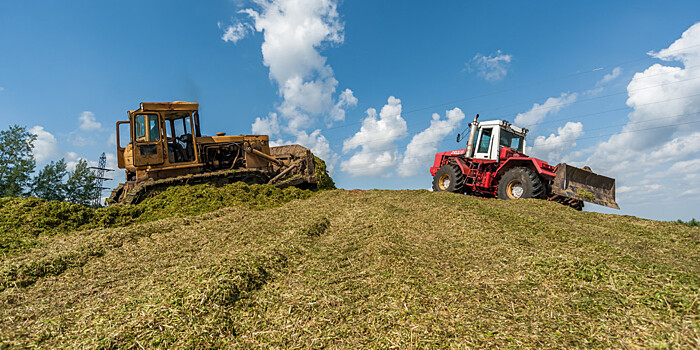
{"x": 584, "y": 185}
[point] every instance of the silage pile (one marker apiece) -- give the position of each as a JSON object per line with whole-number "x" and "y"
{"x": 24, "y": 220}
{"x": 359, "y": 269}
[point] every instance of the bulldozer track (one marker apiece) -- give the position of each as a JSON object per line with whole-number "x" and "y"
{"x": 146, "y": 189}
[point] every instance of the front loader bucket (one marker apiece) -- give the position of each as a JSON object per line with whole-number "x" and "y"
{"x": 584, "y": 185}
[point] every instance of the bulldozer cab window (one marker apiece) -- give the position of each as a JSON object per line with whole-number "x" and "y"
{"x": 511, "y": 140}
{"x": 146, "y": 128}
{"x": 180, "y": 140}
{"x": 485, "y": 140}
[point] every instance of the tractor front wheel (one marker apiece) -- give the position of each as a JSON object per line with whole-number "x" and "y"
{"x": 518, "y": 183}
{"x": 448, "y": 178}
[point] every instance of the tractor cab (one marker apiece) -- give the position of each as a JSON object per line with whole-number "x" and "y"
{"x": 489, "y": 137}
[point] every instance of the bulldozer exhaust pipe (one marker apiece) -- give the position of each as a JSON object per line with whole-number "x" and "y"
{"x": 584, "y": 185}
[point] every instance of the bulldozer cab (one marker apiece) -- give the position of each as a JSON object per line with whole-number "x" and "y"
{"x": 160, "y": 133}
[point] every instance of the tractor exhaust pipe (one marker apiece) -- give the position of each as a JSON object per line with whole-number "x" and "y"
{"x": 469, "y": 153}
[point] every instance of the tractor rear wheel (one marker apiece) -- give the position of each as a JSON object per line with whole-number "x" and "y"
{"x": 448, "y": 178}
{"x": 518, "y": 183}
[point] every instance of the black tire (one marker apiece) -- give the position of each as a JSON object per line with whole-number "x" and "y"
{"x": 520, "y": 183}
{"x": 448, "y": 178}
{"x": 578, "y": 205}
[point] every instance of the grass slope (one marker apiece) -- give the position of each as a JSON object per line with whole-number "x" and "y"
{"x": 23, "y": 220}
{"x": 374, "y": 269}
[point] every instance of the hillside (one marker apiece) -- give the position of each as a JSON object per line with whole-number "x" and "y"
{"x": 374, "y": 269}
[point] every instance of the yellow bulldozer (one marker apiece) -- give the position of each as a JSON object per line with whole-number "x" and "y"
{"x": 167, "y": 149}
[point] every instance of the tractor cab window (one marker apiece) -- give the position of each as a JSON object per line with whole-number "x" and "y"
{"x": 146, "y": 128}
{"x": 485, "y": 141}
{"x": 511, "y": 140}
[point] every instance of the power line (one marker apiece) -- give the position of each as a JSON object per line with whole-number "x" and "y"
{"x": 529, "y": 85}
{"x": 621, "y": 132}
{"x": 382, "y": 164}
{"x": 584, "y": 115}
{"x": 596, "y": 98}
{"x": 582, "y": 138}
{"x": 583, "y": 91}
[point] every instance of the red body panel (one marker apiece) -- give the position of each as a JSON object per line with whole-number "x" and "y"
{"x": 483, "y": 174}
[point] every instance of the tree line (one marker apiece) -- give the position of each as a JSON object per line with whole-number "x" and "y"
{"x": 53, "y": 182}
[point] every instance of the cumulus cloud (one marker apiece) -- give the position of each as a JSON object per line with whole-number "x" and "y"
{"x": 45, "y": 145}
{"x": 320, "y": 146}
{"x": 646, "y": 133}
{"x": 294, "y": 32}
{"x": 423, "y": 146}
{"x": 346, "y": 100}
{"x": 539, "y": 111}
{"x": 492, "y": 68}
{"x": 266, "y": 125}
{"x": 88, "y": 121}
{"x": 659, "y": 146}
{"x": 378, "y": 153}
{"x": 235, "y": 32}
{"x": 552, "y": 147}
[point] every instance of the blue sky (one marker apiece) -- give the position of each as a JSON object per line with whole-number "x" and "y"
{"x": 358, "y": 80}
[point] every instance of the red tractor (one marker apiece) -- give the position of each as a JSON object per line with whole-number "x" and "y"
{"x": 494, "y": 164}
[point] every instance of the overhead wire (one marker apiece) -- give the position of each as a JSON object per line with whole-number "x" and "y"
{"x": 524, "y": 86}
{"x": 569, "y": 118}
{"x": 398, "y": 159}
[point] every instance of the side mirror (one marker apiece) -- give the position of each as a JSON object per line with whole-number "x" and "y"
{"x": 458, "y": 137}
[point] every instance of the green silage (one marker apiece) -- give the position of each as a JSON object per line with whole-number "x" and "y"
{"x": 23, "y": 220}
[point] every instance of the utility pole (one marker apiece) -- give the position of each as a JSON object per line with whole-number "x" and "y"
{"x": 99, "y": 172}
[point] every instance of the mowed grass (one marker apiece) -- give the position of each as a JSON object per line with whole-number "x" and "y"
{"x": 355, "y": 269}
{"x": 24, "y": 220}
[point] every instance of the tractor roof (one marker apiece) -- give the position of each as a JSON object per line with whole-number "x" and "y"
{"x": 505, "y": 124}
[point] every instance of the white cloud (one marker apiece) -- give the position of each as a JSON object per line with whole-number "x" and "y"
{"x": 678, "y": 148}
{"x": 539, "y": 111}
{"x": 610, "y": 76}
{"x": 71, "y": 159}
{"x": 266, "y": 125}
{"x": 423, "y": 146}
{"x": 294, "y": 32}
{"x": 378, "y": 154}
{"x": 111, "y": 161}
{"x": 637, "y": 190}
{"x": 234, "y": 33}
{"x": 88, "y": 121}
{"x": 552, "y": 147}
{"x": 45, "y": 145}
{"x": 2, "y": 89}
{"x": 658, "y": 83}
{"x": 345, "y": 100}
{"x": 658, "y": 148}
{"x": 492, "y": 68}
{"x": 320, "y": 147}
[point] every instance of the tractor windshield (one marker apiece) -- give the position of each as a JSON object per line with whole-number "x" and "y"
{"x": 511, "y": 140}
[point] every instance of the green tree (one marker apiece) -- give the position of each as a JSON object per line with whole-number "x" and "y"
{"x": 49, "y": 183}
{"x": 16, "y": 161}
{"x": 81, "y": 185}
